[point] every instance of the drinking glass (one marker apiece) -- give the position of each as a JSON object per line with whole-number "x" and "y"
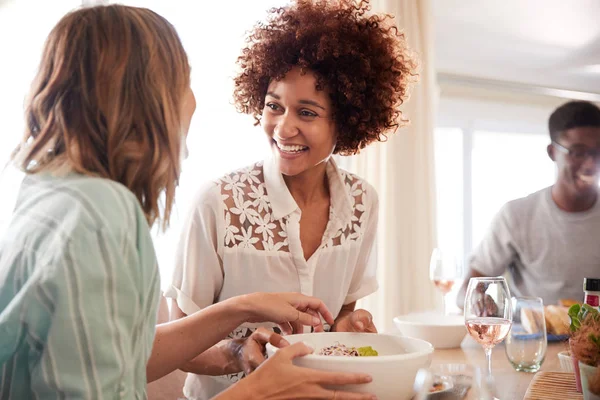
{"x": 444, "y": 270}
{"x": 526, "y": 343}
{"x": 488, "y": 313}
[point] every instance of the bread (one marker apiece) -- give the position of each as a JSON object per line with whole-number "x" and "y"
{"x": 567, "y": 302}
{"x": 557, "y": 320}
{"x": 530, "y": 321}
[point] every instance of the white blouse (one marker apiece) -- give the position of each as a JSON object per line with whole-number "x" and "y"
{"x": 243, "y": 236}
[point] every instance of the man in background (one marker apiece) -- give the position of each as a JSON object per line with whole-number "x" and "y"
{"x": 549, "y": 241}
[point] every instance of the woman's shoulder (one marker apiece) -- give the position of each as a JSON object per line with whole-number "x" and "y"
{"x": 243, "y": 183}
{"x": 98, "y": 202}
{"x": 243, "y": 177}
{"x": 356, "y": 186}
{"x": 58, "y": 210}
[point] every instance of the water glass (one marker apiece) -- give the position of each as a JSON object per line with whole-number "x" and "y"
{"x": 526, "y": 343}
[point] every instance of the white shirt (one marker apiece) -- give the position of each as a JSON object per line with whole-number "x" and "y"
{"x": 545, "y": 250}
{"x": 243, "y": 236}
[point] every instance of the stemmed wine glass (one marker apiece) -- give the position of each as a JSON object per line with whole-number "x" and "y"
{"x": 488, "y": 313}
{"x": 444, "y": 270}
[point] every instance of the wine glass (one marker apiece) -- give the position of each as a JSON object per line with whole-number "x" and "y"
{"x": 444, "y": 270}
{"x": 488, "y": 313}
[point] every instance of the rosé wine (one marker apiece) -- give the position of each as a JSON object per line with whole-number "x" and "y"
{"x": 444, "y": 285}
{"x": 488, "y": 331}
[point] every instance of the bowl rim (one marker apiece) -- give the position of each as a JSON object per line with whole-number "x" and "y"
{"x": 398, "y": 320}
{"x": 379, "y": 359}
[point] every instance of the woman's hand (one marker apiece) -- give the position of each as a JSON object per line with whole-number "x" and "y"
{"x": 278, "y": 378}
{"x": 355, "y": 321}
{"x": 290, "y": 310}
{"x": 249, "y": 352}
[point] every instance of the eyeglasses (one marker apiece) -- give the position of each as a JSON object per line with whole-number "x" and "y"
{"x": 578, "y": 152}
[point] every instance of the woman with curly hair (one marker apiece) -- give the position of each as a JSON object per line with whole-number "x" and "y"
{"x": 79, "y": 286}
{"x": 322, "y": 78}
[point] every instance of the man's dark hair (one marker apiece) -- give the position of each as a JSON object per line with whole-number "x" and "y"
{"x": 574, "y": 114}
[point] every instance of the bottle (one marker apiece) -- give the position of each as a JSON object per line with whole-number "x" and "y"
{"x": 591, "y": 288}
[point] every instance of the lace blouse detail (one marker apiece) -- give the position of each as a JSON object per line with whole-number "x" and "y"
{"x": 248, "y": 216}
{"x": 354, "y": 228}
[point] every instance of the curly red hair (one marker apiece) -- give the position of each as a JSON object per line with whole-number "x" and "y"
{"x": 362, "y": 60}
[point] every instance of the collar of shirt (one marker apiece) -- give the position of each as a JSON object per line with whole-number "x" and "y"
{"x": 283, "y": 203}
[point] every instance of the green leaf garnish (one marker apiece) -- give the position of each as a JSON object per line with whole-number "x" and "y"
{"x": 578, "y": 313}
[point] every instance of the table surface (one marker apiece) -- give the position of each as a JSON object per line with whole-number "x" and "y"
{"x": 510, "y": 384}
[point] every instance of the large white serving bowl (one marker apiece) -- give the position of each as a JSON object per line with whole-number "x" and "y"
{"x": 442, "y": 331}
{"x": 393, "y": 370}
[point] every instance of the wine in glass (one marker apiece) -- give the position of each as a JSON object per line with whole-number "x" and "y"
{"x": 488, "y": 313}
{"x": 444, "y": 270}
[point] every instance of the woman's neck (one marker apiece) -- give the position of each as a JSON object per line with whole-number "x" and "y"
{"x": 310, "y": 186}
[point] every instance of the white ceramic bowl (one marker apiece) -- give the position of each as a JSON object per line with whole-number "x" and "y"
{"x": 442, "y": 331}
{"x": 393, "y": 370}
{"x": 566, "y": 363}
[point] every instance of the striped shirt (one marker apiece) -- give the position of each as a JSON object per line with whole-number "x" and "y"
{"x": 79, "y": 289}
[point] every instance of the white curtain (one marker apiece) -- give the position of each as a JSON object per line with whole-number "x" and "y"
{"x": 402, "y": 171}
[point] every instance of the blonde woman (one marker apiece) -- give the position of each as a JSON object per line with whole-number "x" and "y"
{"x": 79, "y": 285}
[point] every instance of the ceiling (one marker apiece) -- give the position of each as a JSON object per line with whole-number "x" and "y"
{"x": 549, "y": 43}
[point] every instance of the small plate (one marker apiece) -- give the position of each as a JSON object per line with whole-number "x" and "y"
{"x": 558, "y": 338}
{"x": 550, "y": 338}
{"x": 445, "y": 382}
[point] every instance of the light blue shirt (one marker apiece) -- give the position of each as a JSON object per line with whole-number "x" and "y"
{"x": 79, "y": 289}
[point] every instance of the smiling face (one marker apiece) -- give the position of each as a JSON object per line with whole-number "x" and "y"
{"x": 297, "y": 121}
{"x": 577, "y": 177}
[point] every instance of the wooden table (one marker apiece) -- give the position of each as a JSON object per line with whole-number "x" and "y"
{"x": 510, "y": 384}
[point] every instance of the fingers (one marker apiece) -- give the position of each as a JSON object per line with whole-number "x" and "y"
{"x": 295, "y": 350}
{"x": 339, "y": 395}
{"x": 286, "y": 328}
{"x": 319, "y": 326}
{"x": 339, "y": 378}
{"x": 297, "y": 327}
{"x": 254, "y": 348}
{"x": 263, "y": 335}
{"x": 309, "y": 318}
{"x": 253, "y": 357}
{"x": 362, "y": 321}
{"x": 278, "y": 341}
{"x": 306, "y": 302}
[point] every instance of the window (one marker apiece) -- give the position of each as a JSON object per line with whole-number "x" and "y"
{"x": 21, "y": 58}
{"x": 23, "y": 32}
{"x": 449, "y": 184}
{"x": 478, "y": 171}
{"x": 490, "y": 148}
{"x": 505, "y": 166}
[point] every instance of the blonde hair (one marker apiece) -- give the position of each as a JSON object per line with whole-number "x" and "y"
{"x": 107, "y": 102}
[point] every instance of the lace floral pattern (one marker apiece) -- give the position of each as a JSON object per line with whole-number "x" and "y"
{"x": 249, "y": 221}
{"x": 355, "y": 227}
